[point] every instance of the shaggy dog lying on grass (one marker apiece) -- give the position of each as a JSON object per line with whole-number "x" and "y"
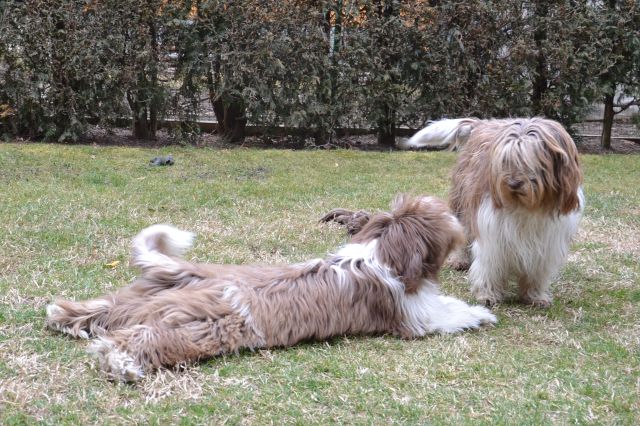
{"x": 383, "y": 281}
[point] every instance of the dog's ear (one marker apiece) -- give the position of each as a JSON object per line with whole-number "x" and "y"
{"x": 417, "y": 238}
{"x": 406, "y": 257}
{"x": 414, "y": 239}
{"x": 568, "y": 178}
{"x": 567, "y": 173}
{"x": 399, "y": 202}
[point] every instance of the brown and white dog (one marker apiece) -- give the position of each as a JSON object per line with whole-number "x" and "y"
{"x": 516, "y": 188}
{"x": 383, "y": 281}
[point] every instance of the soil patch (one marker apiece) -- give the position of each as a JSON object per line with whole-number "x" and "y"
{"x": 587, "y": 139}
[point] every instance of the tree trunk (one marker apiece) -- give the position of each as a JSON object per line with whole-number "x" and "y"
{"x": 387, "y": 138}
{"x": 145, "y": 99}
{"x": 387, "y": 120}
{"x": 540, "y": 83}
{"x": 607, "y": 121}
{"x": 231, "y": 118}
{"x": 144, "y": 125}
{"x": 235, "y": 121}
{"x": 141, "y": 129}
{"x": 155, "y": 98}
{"x": 332, "y": 27}
{"x": 387, "y": 128}
{"x": 229, "y": 110}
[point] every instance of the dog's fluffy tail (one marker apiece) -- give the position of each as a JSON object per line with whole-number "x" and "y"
{"x": 442, "y": 134}
{"x": 157, "y": 247}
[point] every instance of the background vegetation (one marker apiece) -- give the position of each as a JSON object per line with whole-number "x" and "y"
{"x": 317, "y": 65}
{"x": 68, "y": 215}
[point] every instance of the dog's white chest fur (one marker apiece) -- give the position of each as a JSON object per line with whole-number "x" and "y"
{"x": 528, "y": 245}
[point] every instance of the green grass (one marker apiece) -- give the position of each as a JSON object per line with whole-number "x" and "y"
{"x": 67, "y": 213}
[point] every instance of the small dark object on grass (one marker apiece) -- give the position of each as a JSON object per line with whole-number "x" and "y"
{"x": 162, "y": 161}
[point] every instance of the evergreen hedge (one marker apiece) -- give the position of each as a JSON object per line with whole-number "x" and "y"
{"x": 318, "y": 65}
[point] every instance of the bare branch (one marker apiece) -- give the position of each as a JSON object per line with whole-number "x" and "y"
{"x": 626, "y": 105}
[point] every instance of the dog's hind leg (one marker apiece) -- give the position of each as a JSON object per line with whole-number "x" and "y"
{"x": 126, "y": 354}
{"x": 353, "y": 221}
{"x": 80, "y": 319}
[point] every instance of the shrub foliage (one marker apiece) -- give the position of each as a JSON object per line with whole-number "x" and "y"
{"x": 317, "y": 65}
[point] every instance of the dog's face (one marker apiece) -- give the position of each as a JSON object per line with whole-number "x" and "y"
{"x": 520, "y": 174}
{"x": 536, "y": 168}
{"x": 414, "y": 239}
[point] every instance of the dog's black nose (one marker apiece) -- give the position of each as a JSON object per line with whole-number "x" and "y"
{"x": 515, "y": 184}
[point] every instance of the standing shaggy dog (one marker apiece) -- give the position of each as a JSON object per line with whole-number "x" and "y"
{"x": 383, "y": 281}
{"x": 516, "y": 188}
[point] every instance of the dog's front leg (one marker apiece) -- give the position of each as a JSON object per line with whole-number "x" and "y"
{"x": 451, "y": 315}
{"x": 489, "y": 273}
{"x": 535, "y": 291}
{"x": 460, "y": 259}
{"x": 428, "y": 312}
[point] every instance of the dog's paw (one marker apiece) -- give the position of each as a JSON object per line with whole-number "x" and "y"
{"x": 487, "y": 298}
{"x": 543, "y": 302}
{"x": 483, "y": 315}
{"x": 56, "y": 321}
{"x": 458, "y": 264}
{"x": 341, "y": 216}
{"x": 538, "y": 298}
{"x": 54, "y": 314}
{"x": 354, "y": 221}
{"x": 117, "y": 364}
{"x": 459, "y": 260}
{"x": 454, "y": 315}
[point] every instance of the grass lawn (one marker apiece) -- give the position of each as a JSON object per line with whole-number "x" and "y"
{"x": 67, "y": 216}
